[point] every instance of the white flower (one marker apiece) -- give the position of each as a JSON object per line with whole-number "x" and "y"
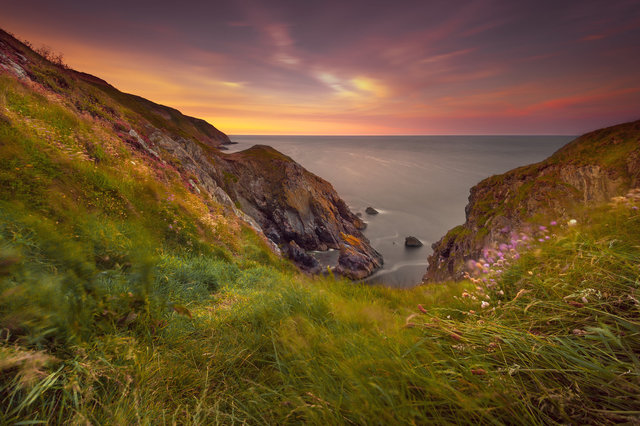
{"x": 484, "y": 305}
{"x": 572, "y": 222}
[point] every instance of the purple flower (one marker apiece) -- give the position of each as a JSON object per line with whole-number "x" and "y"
{"x": 541, "y": 240}
{"x": 542, "y": 228}
{"x": 553, "y": 223}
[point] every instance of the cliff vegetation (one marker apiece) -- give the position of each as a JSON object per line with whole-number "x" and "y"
{"x": 137, "y": 288}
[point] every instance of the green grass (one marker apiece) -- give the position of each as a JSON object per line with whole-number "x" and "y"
{"x": 127, "y": 299}
{"x": 196, "y": 339}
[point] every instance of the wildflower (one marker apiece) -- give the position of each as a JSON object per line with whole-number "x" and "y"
{"x": 546, "y": 237}
{"x": 553, "y": 223}
{"x": 500, "y": 292}
{"x": 541, "y": 240}
{"x": 484, "y": 305}
{"x": 465, "y": 294}
{"x": 572, "y": 222}
{"x": 542, "y": 228}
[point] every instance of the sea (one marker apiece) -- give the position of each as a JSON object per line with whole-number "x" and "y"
{"x": 418, "y": 184}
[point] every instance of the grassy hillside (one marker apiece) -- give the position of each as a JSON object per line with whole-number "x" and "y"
{"x": 163, "y": 336}
{"x": 127, "y": 297}
{"x": 589, "y": 170}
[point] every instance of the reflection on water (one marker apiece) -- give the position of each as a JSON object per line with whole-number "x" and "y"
{"x": 418, "y": 184}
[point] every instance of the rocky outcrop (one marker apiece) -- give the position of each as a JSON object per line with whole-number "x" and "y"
{"x": 290, "y": 207}
{"x": 292, "y": 204}
{"x": 304, "y": 260}
{"x": 591, "y": 169}
{"x": 412, "y": 242}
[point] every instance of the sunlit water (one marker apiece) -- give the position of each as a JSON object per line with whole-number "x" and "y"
{"x": 419, "y": 184}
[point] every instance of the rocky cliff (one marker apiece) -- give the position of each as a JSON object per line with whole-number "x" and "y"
{"x": 592, "y": 168}
{"x": 294, "y": 205}
{"x": 297, "y": 210}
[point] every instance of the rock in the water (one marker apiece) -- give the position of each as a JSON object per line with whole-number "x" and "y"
{"x": 371, "y": 210}
{"x": 412, "y": 242}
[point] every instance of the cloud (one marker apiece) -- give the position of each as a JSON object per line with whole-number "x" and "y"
{"x": 593, "y": 37}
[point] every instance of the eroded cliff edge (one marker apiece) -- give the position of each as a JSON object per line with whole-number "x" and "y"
{"x": 590, "y": 169}
{"x": 297, "y": 209}
{"x": 290, "y": 207}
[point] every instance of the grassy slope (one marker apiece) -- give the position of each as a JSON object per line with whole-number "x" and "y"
{"x": 125, "y": 298}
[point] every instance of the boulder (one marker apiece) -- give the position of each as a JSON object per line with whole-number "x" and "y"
{"x": 371, "y": 210}
{"x": 412, "y": 242}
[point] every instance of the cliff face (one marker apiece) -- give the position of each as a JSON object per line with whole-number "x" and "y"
{"x": 592, "y": 168}
{"x": 294, "y": 205}
{"x": 264, "y": 188}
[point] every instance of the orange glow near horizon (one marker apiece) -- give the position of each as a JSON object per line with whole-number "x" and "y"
{"x": 264, "y": 72}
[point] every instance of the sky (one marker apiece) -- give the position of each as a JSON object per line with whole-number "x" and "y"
{"x": 357, "y": 67}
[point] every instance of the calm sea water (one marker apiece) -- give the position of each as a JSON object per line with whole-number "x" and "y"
{"x": 419, "y": 184}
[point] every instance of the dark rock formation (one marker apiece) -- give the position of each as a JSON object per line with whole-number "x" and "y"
{"x": 292, "y": 204}
{"x": 371, "y": 210}
{"x": 276, "y": 196}
{"x": 303, "y": 259}
{"x": 412, "y": 242}
{"x": 358, "y": 259}
{"x": 591, "y": 169}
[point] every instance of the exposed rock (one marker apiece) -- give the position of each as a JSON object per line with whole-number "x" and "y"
{"x": 303, "y": 259}
{"x": 143, "y": 144}
{"x": 356, "y": 262}
{"x": 281, "y": 200}
{"x": 412, "y": 242}
{"x": 370, "y": 210}
{"x": 9, "y": 65}
{"x": 292, "y": 204}
{"x": 591, "y": 169}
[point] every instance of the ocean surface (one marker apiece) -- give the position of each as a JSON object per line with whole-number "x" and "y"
{"x": 419, "y": 184}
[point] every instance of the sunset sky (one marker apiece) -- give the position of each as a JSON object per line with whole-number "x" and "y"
{"x": 358, "y": 67}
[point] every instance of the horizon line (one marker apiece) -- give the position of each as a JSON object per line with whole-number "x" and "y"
{"x": 405, "y": 134}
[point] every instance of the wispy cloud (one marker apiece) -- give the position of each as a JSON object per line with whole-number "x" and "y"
{"x": 252, "y": 66}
